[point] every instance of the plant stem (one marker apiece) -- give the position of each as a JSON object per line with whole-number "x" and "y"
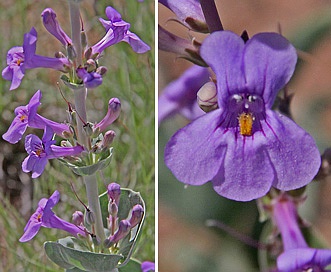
{"x": 94, "y": 204}
{"x": 80, "y": 106}
{"x": 75, "y": 30}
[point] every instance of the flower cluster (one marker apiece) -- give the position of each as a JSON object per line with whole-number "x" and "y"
{"x": 89, "y": 74}
{"x": 120, "y": 229}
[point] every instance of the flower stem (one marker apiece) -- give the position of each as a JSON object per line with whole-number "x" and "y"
{"x": 213, "y": 20}
{"x": 94, "y": 204}
{"x": 80, "y": 106}
{"x": 75, "y": 30}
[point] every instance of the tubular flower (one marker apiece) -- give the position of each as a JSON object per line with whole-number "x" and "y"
{"x": 244, "y": 147}
{"x": 21, "y": 58}
{"x": 45, "y": 217}
{"x": 181, "y": 94}
{"x": 297, "y": 255}
{"x": 117, "y": 31}
{"x": 26, "y": 116}
{"x": 114, "y": 109}
{"x": 51, "y": 24}
{"x": 40, "y": 151}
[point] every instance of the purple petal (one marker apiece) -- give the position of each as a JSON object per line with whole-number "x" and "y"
{"x": 113, "y": 14}
{"x": 185, "y": 9}
{"x": 292, "y": 151}
{"x": 196, "y": 152}
{"x": 222, "y": 51}
{"x": 181, "y": 94}
{"x": 18, "y": 74}
{"x": 15, "y": 131}
{"x": 147, "y": 266}
{"x": 30, "y": 230}
{"x": 303, "y": 258}
{"x": 30, "y": 44}
{"x": 39, "y": 167}
{"x": 247, "y": 172}
{"x": 269, "y": 62}
{"x": 136, "y": 43}
{"x": 51, "y": 202}
{"x": 31, "y": 141}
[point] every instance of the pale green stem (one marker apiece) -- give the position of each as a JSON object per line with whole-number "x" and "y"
{"x": 94, "y": 205}
{"x": 76, "y": 29}
{"x": 80, "y": 106}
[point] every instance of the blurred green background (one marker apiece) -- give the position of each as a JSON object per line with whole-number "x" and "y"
{"x": 130, "y": 77}
{"x": 185, "y": 242}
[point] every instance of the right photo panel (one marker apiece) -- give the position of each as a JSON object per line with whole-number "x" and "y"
{"x": 244, "y": 136}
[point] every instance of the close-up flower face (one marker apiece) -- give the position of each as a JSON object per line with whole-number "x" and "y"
{"x": 245, "y": 147}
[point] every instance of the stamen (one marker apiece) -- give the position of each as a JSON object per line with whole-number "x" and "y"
{"x": 246, "y": 123}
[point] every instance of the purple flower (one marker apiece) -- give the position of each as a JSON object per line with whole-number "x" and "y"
{"x": 189, "y": 13}
{"x": 244, "y": 147}
{"x": 53, "y": 27}
{"x": 123, "y": 230}
{"x": 117, "y": 30}
{"x": 26, "y": 116}
{"x": 136, "y": 215}
{"x": 90, "y": 79}
{"x": 114, "y": 109}
{"x": 45, "y": 217}
{"x": 20, "y": 58}
{"x": 114, "y": 192}
{"x": 181, "y": 94}
{"x": 147, "y": 266}
{"x": 297, "y": 256}
{"x": 40, "y": 151}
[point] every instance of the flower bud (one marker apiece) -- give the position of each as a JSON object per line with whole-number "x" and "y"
{"x": 123, "y": 230}
{"x": 136, "y": 215}
{"x": 78, "y": 218}
{"x": 102, "y": 70}
{"x": 71, "y": 52}
{"x": 112, "y": 208}
{"x": 114, "y": 109}
{"x": 108, "y": 139}
{"x": 59, "y": 55}
{"x": 89, "y": 217}
{"x": 88, "y": 129}
{"x": 83, "y": 38}
{"x": 207, "y": 97}
{"x": 91, "y": 65}
{"x": 114, "y": 192}
{"x": 88, "y": 53}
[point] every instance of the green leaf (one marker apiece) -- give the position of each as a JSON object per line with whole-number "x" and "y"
{"x": 87, "y": 170}
{"x": 131, "y": 266}
{"x": 64, "y": 253}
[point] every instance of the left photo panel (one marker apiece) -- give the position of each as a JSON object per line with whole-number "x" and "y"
{"x": 77, "y": 146}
